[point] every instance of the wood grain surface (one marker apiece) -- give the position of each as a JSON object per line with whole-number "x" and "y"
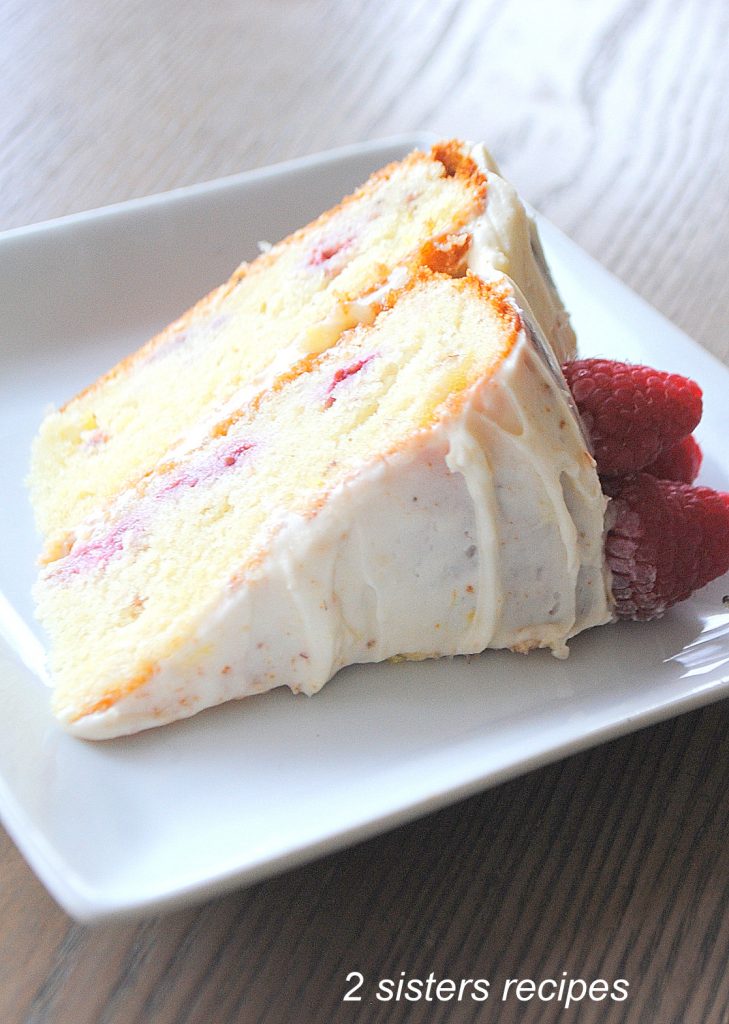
{"x": 613, "y": 119}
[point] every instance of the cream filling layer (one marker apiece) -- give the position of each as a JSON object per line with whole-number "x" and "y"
{"x": 486, "y": 531}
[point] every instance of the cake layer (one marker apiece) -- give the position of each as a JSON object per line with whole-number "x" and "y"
{"x": 119, "y": 427}
{"x": 446, "y": 210}
{"x": 420, "y": 488}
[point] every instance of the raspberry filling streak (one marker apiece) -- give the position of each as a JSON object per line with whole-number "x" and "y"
{"x": 342, "y": 374}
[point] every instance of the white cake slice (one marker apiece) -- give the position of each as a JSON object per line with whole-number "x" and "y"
{"x": 407, "y": 478}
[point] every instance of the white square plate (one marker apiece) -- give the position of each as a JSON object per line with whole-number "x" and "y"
{"x": 247, "y": 789}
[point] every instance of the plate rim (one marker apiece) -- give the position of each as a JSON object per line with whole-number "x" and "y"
{"x": 220, "y": 184}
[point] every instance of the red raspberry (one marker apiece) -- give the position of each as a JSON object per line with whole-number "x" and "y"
{"x": 667, "y": 540}
{"x": 631, "y": 412}
{"x": 680, "y": 462}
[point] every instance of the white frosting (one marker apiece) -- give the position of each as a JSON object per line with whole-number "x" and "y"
{"x": 486, "y": 532}
{"x": 505, "y": 241}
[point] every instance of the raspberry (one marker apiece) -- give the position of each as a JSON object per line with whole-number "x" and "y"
{"x": 668, "y": 539}
{"x": 631, "y": 412}
{"x": 680, "y": 462}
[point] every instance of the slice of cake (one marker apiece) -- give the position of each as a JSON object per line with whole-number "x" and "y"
{"x": 448, "y": 210}
{"x": 419, "y": 487}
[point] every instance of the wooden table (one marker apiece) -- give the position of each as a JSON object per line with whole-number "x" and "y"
{"x": 613, "y": 119}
